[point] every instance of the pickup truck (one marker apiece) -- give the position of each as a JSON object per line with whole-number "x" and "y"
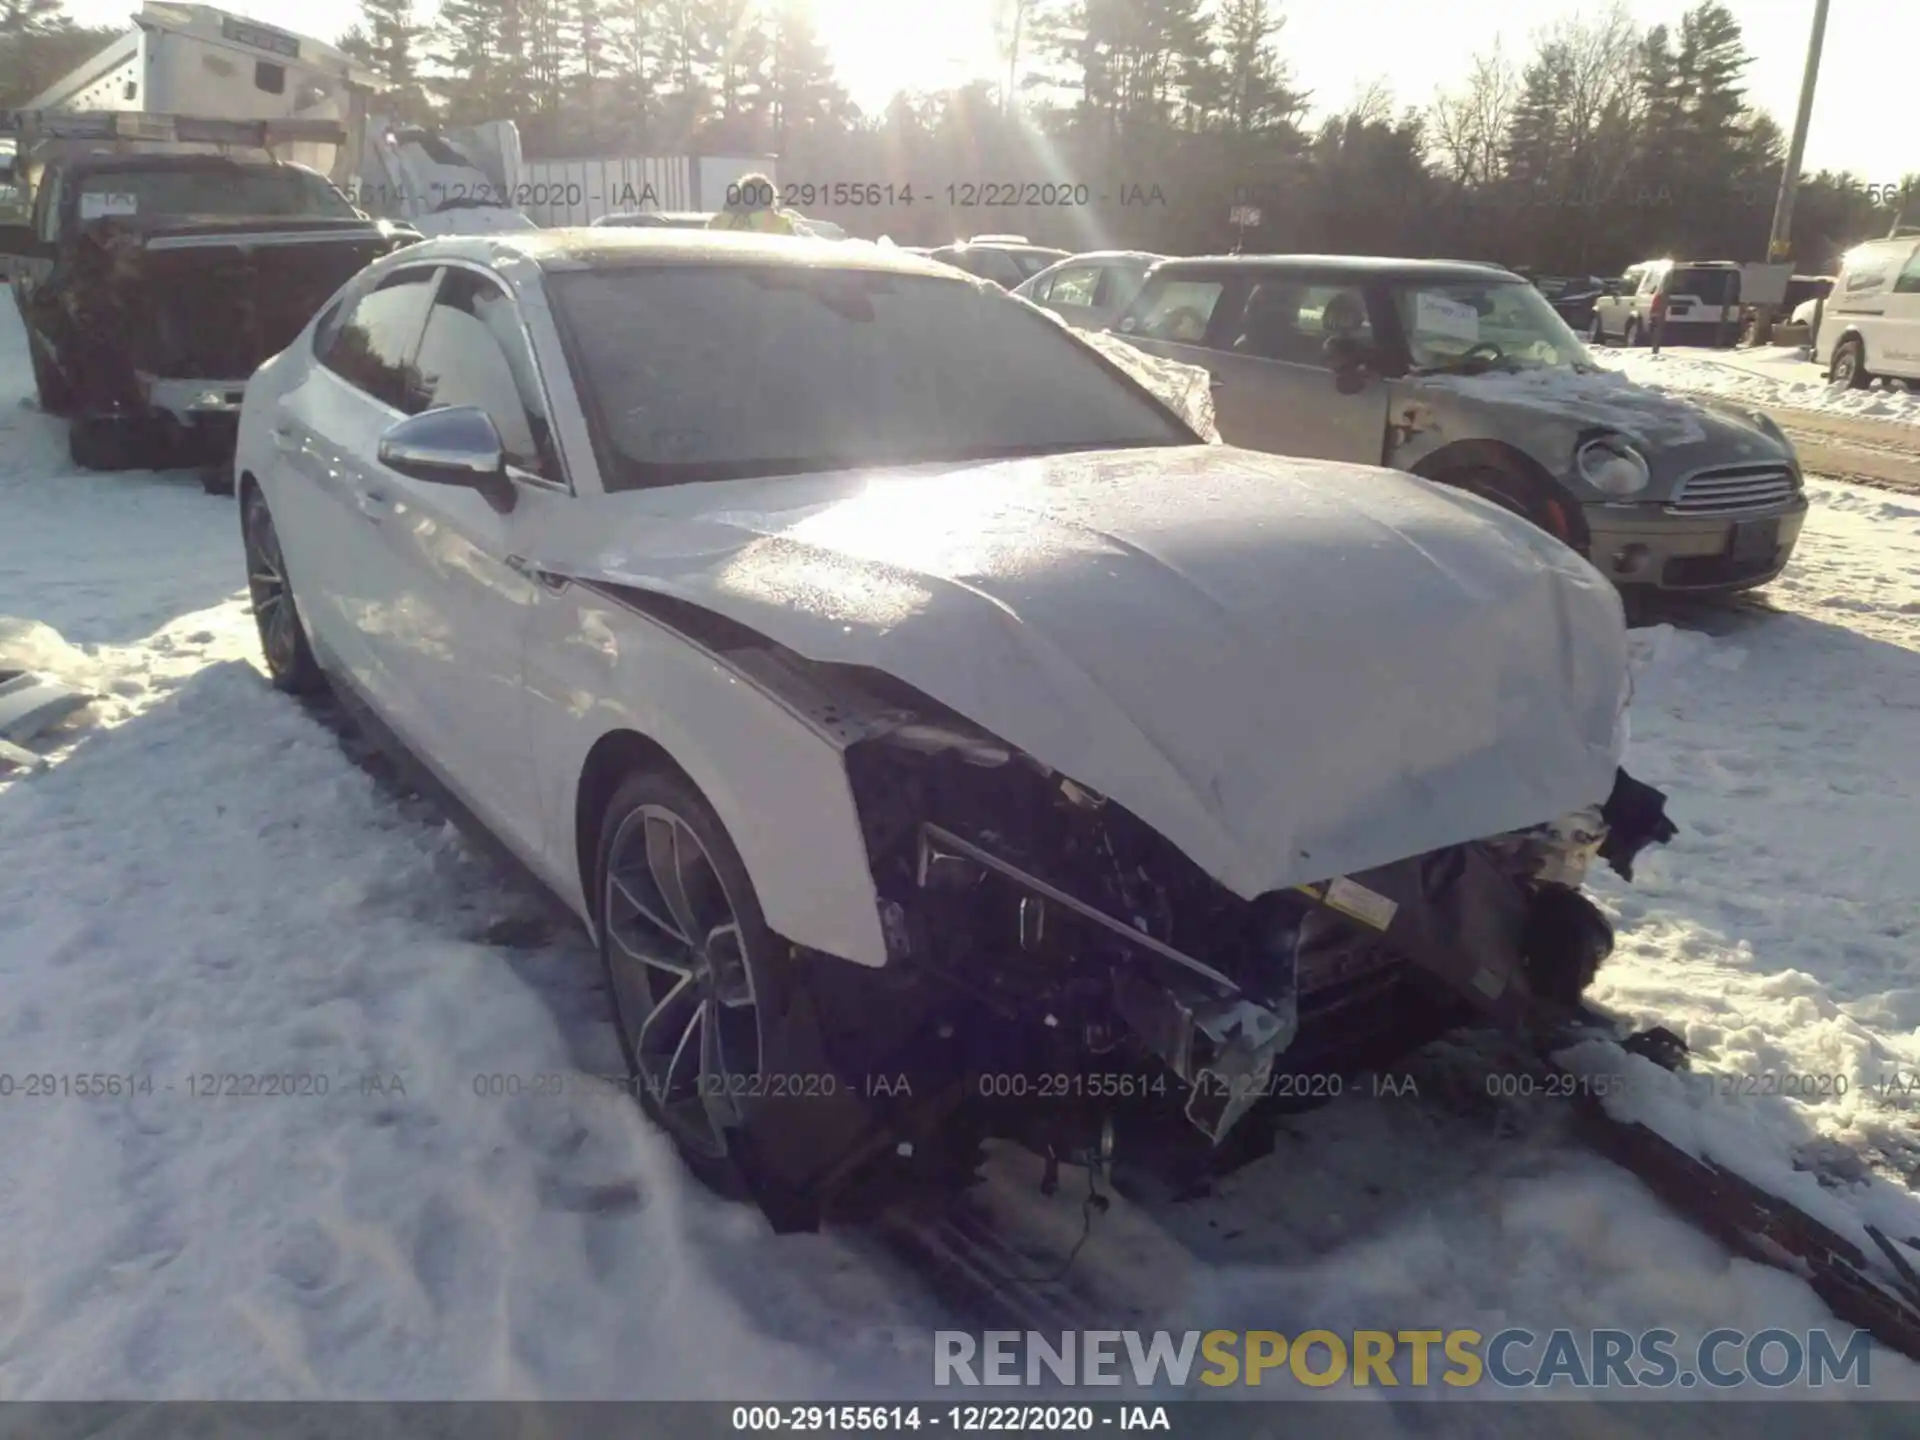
{"x": 152, "y": 285}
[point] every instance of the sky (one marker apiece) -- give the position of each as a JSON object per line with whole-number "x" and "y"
{"x": 1337, "y": 48}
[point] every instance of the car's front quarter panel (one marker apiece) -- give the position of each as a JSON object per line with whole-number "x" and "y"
{"x": 774, "y": 775}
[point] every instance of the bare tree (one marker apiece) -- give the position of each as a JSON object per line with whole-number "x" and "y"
{"x": 1599, "y": 98}
{"x": 1469, "y": 126}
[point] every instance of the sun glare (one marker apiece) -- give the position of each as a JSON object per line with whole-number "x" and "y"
{"x": 882, "y": 46}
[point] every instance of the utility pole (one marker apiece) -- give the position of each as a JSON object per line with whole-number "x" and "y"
{"x": 1780, "y": 243}
{"x": 1780, "y": 239}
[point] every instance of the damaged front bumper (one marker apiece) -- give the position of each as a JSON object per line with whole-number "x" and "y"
{"x": 1500, "y": 924}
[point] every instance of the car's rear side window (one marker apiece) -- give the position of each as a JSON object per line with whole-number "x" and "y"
{"x": 372, "y": 346}
{"x": 1175, "y": 310}
{"x": 1119, "y": 287}
{"x": 1076, "y": 286}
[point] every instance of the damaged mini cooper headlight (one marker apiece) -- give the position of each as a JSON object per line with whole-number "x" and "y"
{"x": 1612, "y": 466}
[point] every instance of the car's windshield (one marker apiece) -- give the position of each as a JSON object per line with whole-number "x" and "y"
{"x": 252, "y": 190}
{"x": 709, "y": 372}
{"x": 1466, "y": 327}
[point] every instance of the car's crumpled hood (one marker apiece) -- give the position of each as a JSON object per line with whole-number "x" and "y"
{"x": 1601, "y": 399}
{"x": 1291, "y": 669}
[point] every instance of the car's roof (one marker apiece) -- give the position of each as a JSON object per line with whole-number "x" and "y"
{"x": 1372, "y": 267}
{"x": 1109, "y": 257}
{"x": 588, "y": 247}
{"x": 1023, "y": 246}
{"x": 657, "y": 219}
{"x": 88, "y": 163}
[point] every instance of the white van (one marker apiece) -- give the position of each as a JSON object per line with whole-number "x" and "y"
{"x": 1871, "y": 325}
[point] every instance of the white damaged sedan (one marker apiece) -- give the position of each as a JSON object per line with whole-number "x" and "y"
{"x": 941, "y": 736}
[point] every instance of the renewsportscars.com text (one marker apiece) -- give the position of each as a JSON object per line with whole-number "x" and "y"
{"x": 1508, "y": 1359}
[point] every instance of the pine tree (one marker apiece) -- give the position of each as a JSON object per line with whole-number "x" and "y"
{"x": 683, "y": 81}
{"x": 738, "y": 49}
{"x": 387, "y": 41}
{"x": 1536, "y": 137}
{"x": 1255, "y": 96}
{"x": 801, "y": 89}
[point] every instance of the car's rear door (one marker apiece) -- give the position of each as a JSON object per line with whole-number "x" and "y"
{"x": 451, "y": 564}
{"x": 326, "y": 428}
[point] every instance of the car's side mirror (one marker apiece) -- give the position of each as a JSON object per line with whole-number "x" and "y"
{"x": 454, "y": 445}
{"x": 21, "y": 240}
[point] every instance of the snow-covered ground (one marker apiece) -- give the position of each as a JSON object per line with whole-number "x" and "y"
{"x": 1772, "y": 375}
{"x": 204, "y": 884}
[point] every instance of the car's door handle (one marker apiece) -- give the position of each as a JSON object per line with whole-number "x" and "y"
{"x": 374, "y": 504}
{"x": 284, "y": 437}
{"x": 520, "y": 565}
{"x": 1216, "y": 383}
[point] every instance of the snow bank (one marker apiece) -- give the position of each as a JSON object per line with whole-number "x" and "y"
{"x": 1768, "y": 377}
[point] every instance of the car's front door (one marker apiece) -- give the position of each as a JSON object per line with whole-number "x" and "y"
{"x": 452, "y": 564}
{"x": 325, "y": 429}
{"x": 1278, "y": 389}
{"x": 1264, "y": 342}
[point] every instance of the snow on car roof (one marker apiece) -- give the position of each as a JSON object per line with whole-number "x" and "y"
{"x": 1374, "y": 266}
{"x": 587, "y": 247}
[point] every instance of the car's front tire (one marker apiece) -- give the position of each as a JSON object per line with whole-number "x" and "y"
{"x": 283, "y": 638}
{"x": 698, "y": 982}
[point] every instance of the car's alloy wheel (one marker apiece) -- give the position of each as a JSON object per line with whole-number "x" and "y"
{"x": 1847, "y": 367}
{"x": 683, "y": 976}
{"x": 282, "y": 640}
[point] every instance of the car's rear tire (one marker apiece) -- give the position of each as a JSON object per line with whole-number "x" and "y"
{"x": 283, "y": 637}
{"x": 1849, "y": 367}
{"x": 699, "y": 985}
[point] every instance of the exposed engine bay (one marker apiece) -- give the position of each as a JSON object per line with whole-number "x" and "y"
{"x": 1062, "y": 975}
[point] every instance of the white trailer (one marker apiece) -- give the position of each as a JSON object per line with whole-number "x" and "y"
{"x": 209, "y": 63}
{"x": 196, "y": 60}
